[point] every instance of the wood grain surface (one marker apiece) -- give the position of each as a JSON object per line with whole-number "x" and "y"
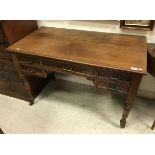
{"x": 119, "y": 51}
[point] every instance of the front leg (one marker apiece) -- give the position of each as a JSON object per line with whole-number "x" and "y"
{"x": 135, "y": 82}
{"x": 126, "y": 111}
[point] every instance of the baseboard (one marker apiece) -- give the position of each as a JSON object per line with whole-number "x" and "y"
{"x": 146, "y": 94}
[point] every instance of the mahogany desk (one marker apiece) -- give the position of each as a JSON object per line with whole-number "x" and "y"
{"x": 115, "y": 62}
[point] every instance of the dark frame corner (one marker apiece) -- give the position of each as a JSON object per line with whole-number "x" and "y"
{"x": 150, "y": 27}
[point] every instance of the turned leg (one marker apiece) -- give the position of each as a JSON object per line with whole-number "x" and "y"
{"x": 135, "y": 82}
{"x": 126, "y": 111}
{"x": 153, "y": 125}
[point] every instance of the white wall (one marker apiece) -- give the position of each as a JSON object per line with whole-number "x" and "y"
{"x": 147, "y": 86}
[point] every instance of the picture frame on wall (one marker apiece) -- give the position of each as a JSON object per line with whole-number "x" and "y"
{"x": 137, "y": 24}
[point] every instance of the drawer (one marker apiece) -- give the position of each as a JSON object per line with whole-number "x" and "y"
{"x": 7, "y": 66}
{"x": 114, "y": 87}
{"x": 57, "y": 66}
{"x": 52, "y": 64}
{"x": 65, "y": 67}
{"x": 28, "y": 59}
{"x": 32, "y": 71}
{"x": 5, "y": 55}
{"x": 115, "y": 75}
{"x": 83, "y": 69}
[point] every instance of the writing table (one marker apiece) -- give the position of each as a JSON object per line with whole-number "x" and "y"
{"x": 114, "y": 62}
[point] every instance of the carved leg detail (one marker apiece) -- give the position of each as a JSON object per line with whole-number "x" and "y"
{"x": 126, "y": 111}
{"x": 135, "y": 82}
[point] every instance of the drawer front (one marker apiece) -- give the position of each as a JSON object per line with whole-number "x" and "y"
{"x": 25, "y": 59}
{"x": 47, "y": 63}
{"x": 32, "y": 71}
{"x": 7, "y": 66}
{"x": 83, "y": 69}
{"x": 115, "y": 75}
{"x": 65, "y": 67}
{"x": 5, "y": 55}
{"x": 114, "y": 87}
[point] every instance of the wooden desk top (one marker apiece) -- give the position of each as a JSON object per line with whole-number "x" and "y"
{"x": 120, "y": 51}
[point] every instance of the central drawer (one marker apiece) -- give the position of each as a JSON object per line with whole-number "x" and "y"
{"x": 49, "y": 64}
{"x": 67, "y": 67}
{"x": 84, "y": 69}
